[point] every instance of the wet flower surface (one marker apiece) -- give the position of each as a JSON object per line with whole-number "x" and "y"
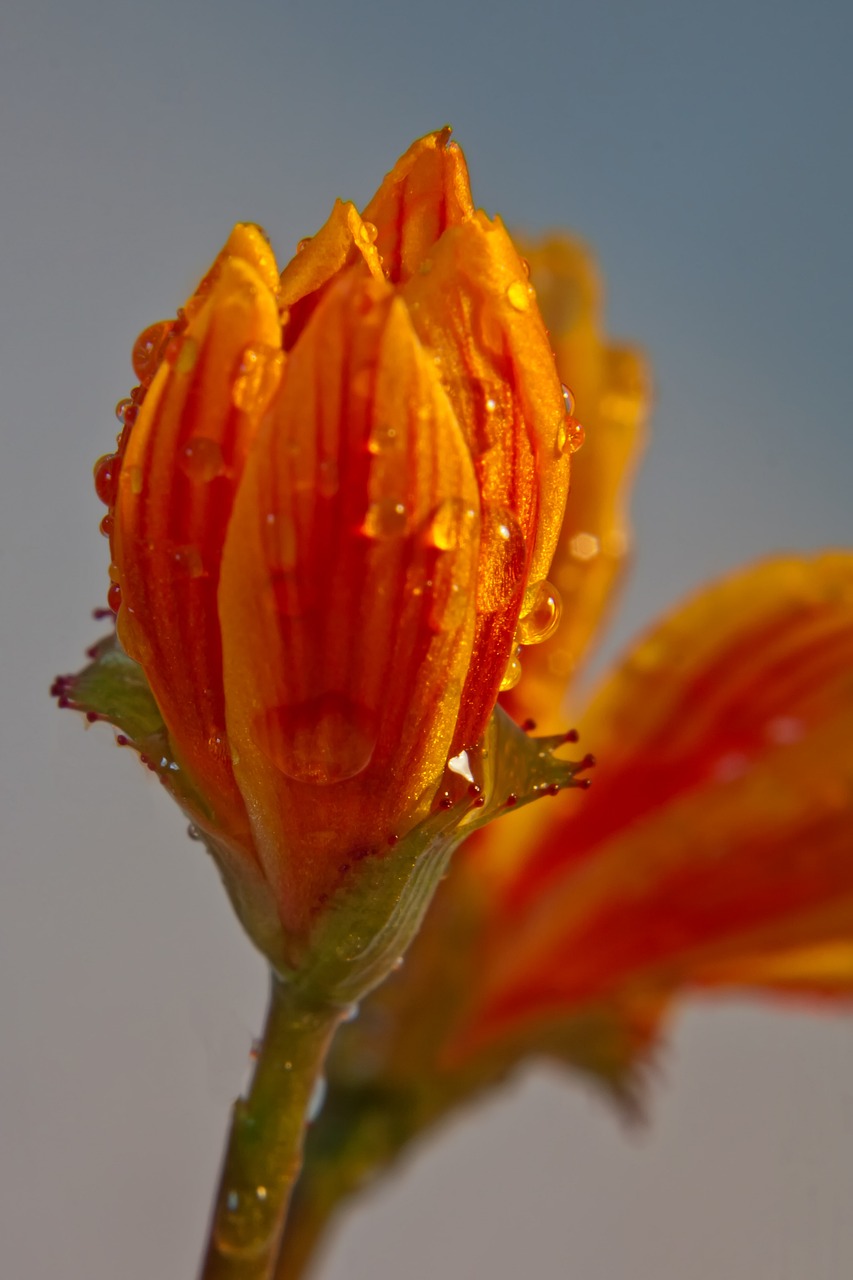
{"x": 714, "y": 851}
{"x": 332, "y": 511}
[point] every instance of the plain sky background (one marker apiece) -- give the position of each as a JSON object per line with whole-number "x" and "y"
{"x": 704, "y": 150}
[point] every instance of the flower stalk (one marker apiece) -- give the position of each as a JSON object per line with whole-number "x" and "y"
{"x": 263, "y": 1156}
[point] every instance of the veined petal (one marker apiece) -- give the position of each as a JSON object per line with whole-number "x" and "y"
{"x": 610, "y": 387}
{"x": 717, "y": 844}
{"x": 426, "y": 192}
{"x": 344, "y": 240}
{"x": 181, "y": 466}
{"x": 345, "y": 601}
{"x": 475, "y": 309}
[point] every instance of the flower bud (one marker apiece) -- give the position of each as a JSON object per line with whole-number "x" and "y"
{"x": 334, "y": 492}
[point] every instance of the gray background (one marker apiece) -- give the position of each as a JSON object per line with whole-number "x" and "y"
{"x": 704, "y": 150}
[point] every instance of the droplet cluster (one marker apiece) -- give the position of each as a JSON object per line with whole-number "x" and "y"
{"x": 156, "y": 343}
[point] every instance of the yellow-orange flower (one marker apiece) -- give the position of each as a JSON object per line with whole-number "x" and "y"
{"x": 715, "y": 849}
{"x": 331, "y": 515}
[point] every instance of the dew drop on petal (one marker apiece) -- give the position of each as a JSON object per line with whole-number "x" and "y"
{"x": 201, "y": 459}
{"x": 540, "y": 613}
{"x": 328, "y": 477}
{"x": 518, "y": 296}
{"x": 322, "y": 741}
{"x": 122, "y": 408}
{"x": 512, "y": 675}
{"x": 148, "y": 349}
{"x": 568, "y": 400}
{"x": 114, "y": 597}
{"x": 502, "y": 558}
{"x": 382, "y": 437}
{"x": 258, "y": 376}
{"x": 387, "y": 518}
{"x": 570, "y": 436}
{"x": 188, "y": 560}
{"x": 106, "y": 478}
{"x": 453, "y": 524}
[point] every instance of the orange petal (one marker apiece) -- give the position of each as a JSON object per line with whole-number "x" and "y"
{"x": 717, "y": 843}
{"x": 345, "y": 600}
{"x": 610, "y": 388}
{"x": 180, "y": 470}
{"x": 426, "y": 192}
{"x": 476, "y": 310}
{"x": 342, "y": 241}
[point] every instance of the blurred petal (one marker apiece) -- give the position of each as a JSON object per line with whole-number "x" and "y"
{"x": 717, "y": 843}
{"x": 475, "y": 309}
{"x": 181, "y": 466}
{"x": 426, "y": 192}
{"x": 347, "y": 610}
{"x": 610, "y": 385}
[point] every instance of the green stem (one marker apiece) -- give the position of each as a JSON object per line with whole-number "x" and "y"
{"x": 264, "y": 1152}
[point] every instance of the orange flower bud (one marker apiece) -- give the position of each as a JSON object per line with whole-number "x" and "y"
{"x": 335, "y": 495}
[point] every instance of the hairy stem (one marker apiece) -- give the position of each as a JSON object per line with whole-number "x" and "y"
{"x": 263, "y": 1156}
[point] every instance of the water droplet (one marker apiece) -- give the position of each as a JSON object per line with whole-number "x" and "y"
{"x": 322, "y": 741}
{"x": 193, "y": 832}
{"x": 449, "y": 603}
{"x": 188, "y": 560}
{"x": 122, "y": 408}
{"x": 114, "y": 597}
{"x": 398, "y": 964}
{"x": 454, "y": 523}
{"x": 382, "y": 437}
{"x": 148, "y": 349}
{"x": 502, "y": 558}
{"x": 303, "y": 244}
{"x": 526, "y": 267}
{"x": 368, "y": 233}
{"x": 386, "y": 518}
{"x": 570, "y": 436}
{"x": 540, "y": 613}
{"x": 106, "y": 525}
{"x": 568, "y": 400}
{"x": 490, "y": 404}
{"x": 201, "y": 459}
{"x": 261, "y": 1192}
{"x": 328, "y": 480}
{"x": 318, "y": 1097}
{"x": 512, "y": 675}
{"x": 106, "y": 478}
{"x": 217, "y": 745}
{"x": 584, "y": 546}
{"x": 257, "y": 377}
{"x": 518, "y": 295}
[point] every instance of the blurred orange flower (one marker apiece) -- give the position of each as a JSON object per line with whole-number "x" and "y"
{"x": 332, "y": 510}
{"x": 716, "y": 845}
